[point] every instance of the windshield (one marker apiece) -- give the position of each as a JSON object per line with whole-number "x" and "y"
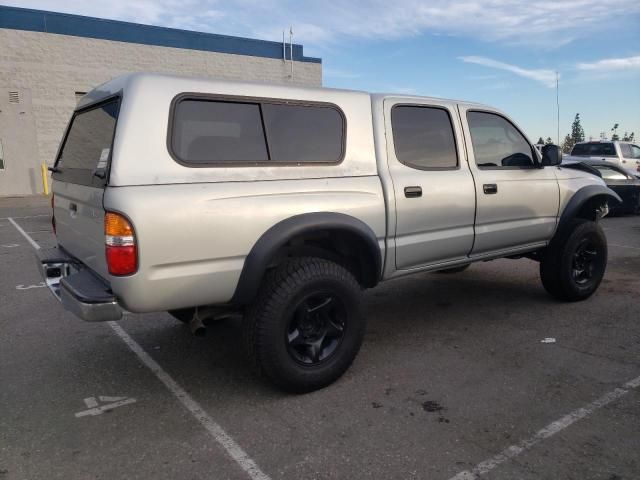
{"x": 594, "y": 150}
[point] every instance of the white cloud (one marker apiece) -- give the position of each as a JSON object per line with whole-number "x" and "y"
{"x": 610, "y": 64}
{"x": 322, "y": 23}
{"x": 546, "y": 77}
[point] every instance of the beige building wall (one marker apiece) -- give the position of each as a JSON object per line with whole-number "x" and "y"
{"x": 54, "y": 67}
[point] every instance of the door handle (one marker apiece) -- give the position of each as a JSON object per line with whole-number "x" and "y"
{"x": 413, "y": 192}
{"x": 490, "y": 188}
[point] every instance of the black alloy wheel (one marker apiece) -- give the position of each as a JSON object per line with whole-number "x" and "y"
{"x": 316, "y": 328}
{"x": 584, "y": 262}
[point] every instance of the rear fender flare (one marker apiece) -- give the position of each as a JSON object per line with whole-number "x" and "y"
{"x": 267, "y": 246}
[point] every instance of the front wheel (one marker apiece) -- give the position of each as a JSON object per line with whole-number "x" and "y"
{"x": 573, "y": 265}
{"x": 306, "y": 326}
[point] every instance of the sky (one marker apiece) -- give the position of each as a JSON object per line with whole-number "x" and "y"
{"x": 504, "y": 53}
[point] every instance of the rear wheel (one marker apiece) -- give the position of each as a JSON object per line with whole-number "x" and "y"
{"x": 573, "y": 265}
{"x": 306, "y": 326}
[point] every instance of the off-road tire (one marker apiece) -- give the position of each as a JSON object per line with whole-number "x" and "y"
{"x": 558, "y": 262}
{"x": 268, "y": 320}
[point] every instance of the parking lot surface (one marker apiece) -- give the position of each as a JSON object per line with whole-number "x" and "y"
{"x": 453, "y": 381}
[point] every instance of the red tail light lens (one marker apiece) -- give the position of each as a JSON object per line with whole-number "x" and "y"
{"x": 120, "y": 245}
{"x": 121, "y": 260}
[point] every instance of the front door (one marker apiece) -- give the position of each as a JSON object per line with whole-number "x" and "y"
{"x": 517, "y": 200}
{"x": 434, "y": 193}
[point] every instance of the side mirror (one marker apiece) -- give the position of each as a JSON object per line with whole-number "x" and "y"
{"x": 551, "y": 155}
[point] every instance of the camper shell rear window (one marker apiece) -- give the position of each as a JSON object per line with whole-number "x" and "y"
{"x": 238, "y": 131}
{"x": 86, "y": 149}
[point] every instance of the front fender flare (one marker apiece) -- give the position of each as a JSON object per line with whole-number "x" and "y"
{"x": 580, "y": 198}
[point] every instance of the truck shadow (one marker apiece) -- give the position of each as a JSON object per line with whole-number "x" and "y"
{"x": 424, "y": 310}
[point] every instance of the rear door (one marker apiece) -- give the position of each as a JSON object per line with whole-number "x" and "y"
{"x": 80, "y": 176}
{"x": 434, "y": 193}
{"x": 517, "y": 201}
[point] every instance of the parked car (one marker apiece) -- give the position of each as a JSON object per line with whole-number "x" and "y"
{"x": 202, "y": 197}
{"x": 626, "y": 185}
{"x": 622, "y": 154}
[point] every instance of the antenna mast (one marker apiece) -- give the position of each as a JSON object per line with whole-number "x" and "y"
{"x": 558, "y": 106}
{"x": 291, "y": 48}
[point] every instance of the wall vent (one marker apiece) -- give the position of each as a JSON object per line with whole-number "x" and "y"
{"x": 14, "y": 97}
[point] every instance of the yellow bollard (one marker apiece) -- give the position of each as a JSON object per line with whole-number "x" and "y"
{"x": 45, "y": 184}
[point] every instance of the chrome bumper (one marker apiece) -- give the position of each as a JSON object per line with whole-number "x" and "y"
{"x": 81, "y": 292}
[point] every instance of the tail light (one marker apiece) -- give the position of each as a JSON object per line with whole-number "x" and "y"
{"x": 53, "y": 214}
{"x": 120, "y": 245}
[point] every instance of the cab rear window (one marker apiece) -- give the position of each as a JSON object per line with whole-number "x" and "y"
{"x": 594, "y": 150}
{"x": 86, "y": 151}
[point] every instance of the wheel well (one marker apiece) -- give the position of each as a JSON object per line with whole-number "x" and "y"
{"x": 592, "y": 208}
{"x": 341, "y": 246}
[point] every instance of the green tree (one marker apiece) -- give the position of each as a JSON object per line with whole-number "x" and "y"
{"x": 568, "y": 144}
{"x": 577, "y": 132}
{"x": 548, "y": 141}
{"x": 627, "y": 137}
{"x": 540, "y": 141}
{"x": 615, "y": 135}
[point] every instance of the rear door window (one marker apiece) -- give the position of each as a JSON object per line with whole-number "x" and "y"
{"x": 86, "y": 151}
{"x": 423, "y": 137}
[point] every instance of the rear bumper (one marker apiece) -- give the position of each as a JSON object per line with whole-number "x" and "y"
{"x": 81, "y": 292}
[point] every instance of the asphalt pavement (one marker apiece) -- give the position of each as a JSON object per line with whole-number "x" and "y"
{"x": 453, "y": 381}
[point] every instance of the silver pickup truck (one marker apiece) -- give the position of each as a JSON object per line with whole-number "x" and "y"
{"x": 282, "y": 203}
{"x": 622, "y": 154}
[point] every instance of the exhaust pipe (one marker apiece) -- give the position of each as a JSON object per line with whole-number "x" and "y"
{"x": 203, "y": 316}
{"x": 196, "y": 326}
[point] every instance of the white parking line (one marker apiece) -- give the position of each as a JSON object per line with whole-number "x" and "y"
{"x": 233, "y": 449}
{"x": 548, "y": 431}
{"x": 216, "y": 431}
{"x": 29, "y": 216}
{"x": 24, "y": 234}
